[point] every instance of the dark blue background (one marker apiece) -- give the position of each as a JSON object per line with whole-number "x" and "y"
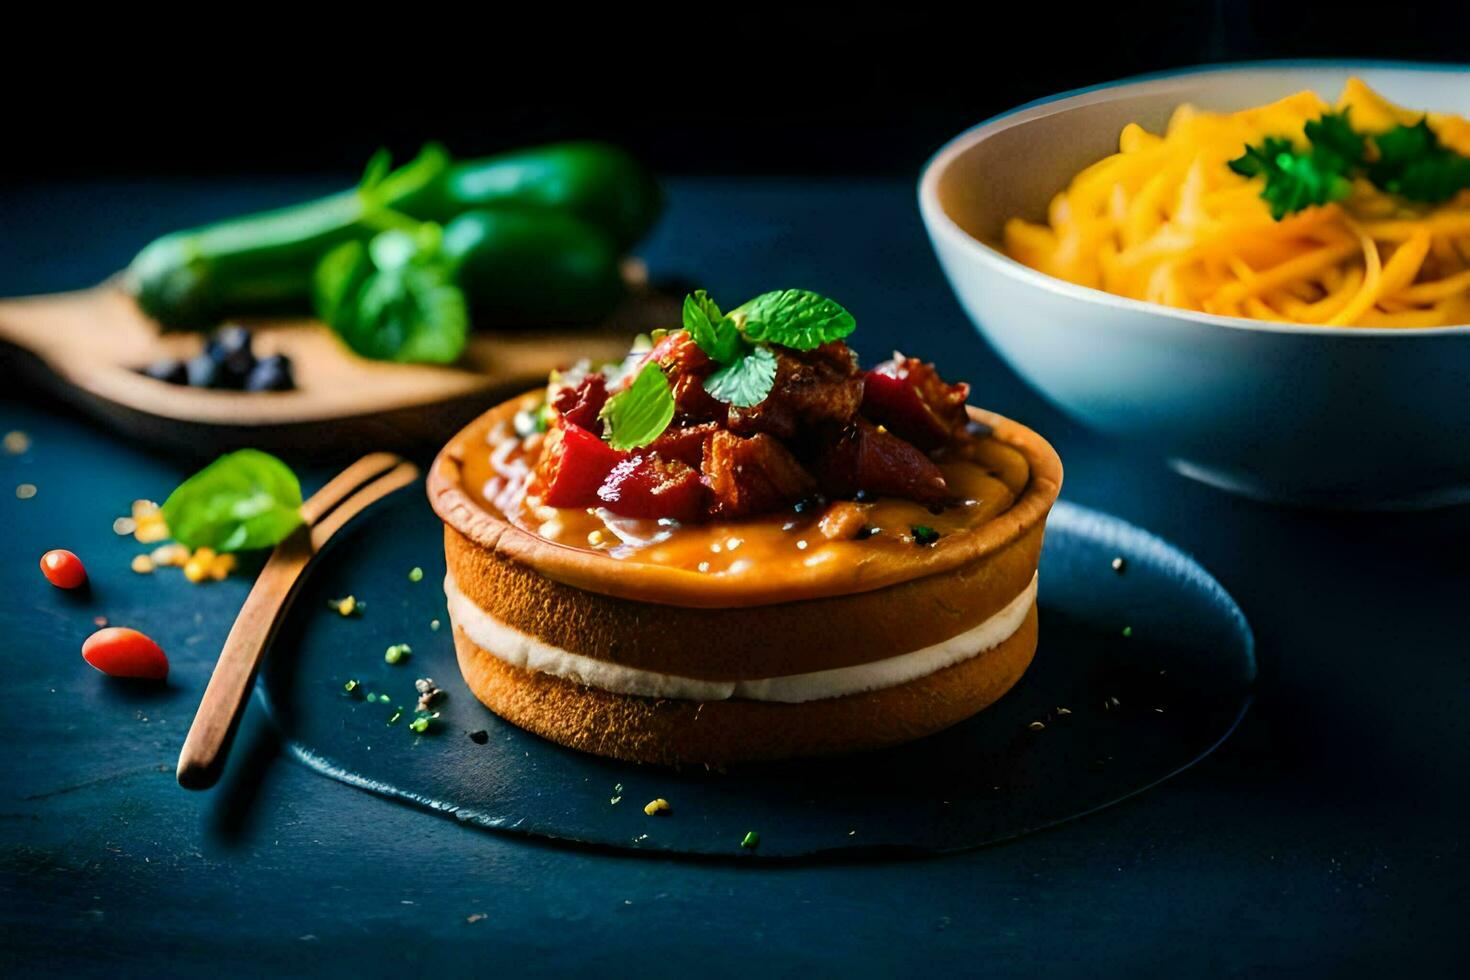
{"x": 1325, "y": 838}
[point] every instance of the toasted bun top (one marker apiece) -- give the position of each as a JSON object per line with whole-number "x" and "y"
{"x": 629, "y": 578}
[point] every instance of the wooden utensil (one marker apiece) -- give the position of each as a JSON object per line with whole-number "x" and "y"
{"x": 89, "y": 347}
{"x": 327, "y": 512}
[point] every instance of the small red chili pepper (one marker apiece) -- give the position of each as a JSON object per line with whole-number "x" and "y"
{"x": 121, "y": 652}
{"x": 63, "y": 569}
{"x": 573, "y": 465}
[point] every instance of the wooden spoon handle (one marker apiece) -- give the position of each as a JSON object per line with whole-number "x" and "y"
{"x": 205, "y": 748}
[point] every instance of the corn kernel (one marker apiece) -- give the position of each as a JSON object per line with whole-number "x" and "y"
{"x": 347, "y": 606}
{"x": 150, "y": 529}
{"x": 657, "y": 806}
{"x": 205, "y": 555}
{"x": 144, "y": 508}
{"x": 170, "y": 554}
{"x": 142, "y": 564}
{"x": 195, "y": 571}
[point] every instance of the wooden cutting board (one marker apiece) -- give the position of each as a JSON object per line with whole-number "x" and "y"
{"x": 88, "y": 347}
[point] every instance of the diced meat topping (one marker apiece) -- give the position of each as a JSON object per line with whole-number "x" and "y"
{"x": 650, "y": 487}
{"x": 907, "y": 396}
{"x": 752, "y": 475}
{"x": 868, "y": 460}
{"x": 580, "y": 404}
{"x": 820, "y": 390}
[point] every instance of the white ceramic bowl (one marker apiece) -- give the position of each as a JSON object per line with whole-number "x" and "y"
{"x": 1335, "y": 416}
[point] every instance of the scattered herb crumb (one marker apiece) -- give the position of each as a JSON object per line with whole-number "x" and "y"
{"x": 434, "y": 625}
{"x": 1119, "y": 565}
{"x": 415, "y": 574}
{"x": 480, "y": 737}
{"x": 421, "y": 723}
{"x": 396, "y": 653}
{"x": 657, "y": 806}
{"x": 397, "y": 714}
{"x": 1128, "y": 631}
{"x": 352, "y": 687}
{"x": 751, "y": 840}
{"x": 25, "y": 491}
{"x": 429, "y": 692}
{"x": 924, "y": 534}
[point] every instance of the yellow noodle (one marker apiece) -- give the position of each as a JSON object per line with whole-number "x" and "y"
{"x": 1165, "y": 220}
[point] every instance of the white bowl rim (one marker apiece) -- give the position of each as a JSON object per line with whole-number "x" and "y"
{"x": 939, "y": 222}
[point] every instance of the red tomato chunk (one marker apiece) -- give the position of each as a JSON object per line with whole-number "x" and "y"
{"x": 573, "y": 465}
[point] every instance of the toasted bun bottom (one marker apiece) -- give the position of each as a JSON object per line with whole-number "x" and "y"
{"x": 674, "y": 732}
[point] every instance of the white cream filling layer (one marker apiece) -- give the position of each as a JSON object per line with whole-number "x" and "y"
{"x": 530, "y": 653}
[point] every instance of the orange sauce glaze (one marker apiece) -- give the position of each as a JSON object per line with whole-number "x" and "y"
{"x": 986, "y": 481}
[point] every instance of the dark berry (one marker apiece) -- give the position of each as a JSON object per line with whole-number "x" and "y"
{"x": 168, "y": 369}
{"x": 230, "y": 348}
{"x": 202, "y": 371}
{"x": 272, "y": 373}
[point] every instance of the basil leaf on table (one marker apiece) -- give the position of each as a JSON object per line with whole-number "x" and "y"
{"x": 244, "y": 500}
{"x": 746, "y": 381}
{"x": 394, "y": 299}
{"x": 639, "y": 413}
{"x": 795, "y": 318}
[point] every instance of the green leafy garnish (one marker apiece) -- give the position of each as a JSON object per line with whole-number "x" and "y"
{"x": 639, "y": 413}
{"x": 739, "y": 340}
{"x": 1295, "y": 180}
{"x": 396, "y": 653}
{"x": 751, "y": 840}
{"x": 1413, "y": 164}
{"x": 795, "y": 318}
{"x": 244, "y": 500}
{"x": 715, "y": 333}
{"x": 394, "y": 299}
{"x": 744, "y": 382}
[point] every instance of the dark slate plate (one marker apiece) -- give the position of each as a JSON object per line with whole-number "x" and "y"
{"x": 1139, "y": 674}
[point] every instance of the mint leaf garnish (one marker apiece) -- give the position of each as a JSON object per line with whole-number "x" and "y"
{"x": 746, "y": 381}
{"x": 795, "y": 318}
{"x": 714, "y": 332}
{"x": 639, "y": 413}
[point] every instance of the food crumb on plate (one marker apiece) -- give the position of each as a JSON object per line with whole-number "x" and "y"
{"x": 657, "y": 806}
{"x": 1120, "y": 565}
{"x": 142, "y": 564}
{"x": 25, "y": 491}
{"x": 17, "y": 442}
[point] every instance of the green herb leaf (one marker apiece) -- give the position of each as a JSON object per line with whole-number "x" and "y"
{"x": 639, "y": 413}
{"x": 394, "y": 299}
{"x": 1413, "y": 164}
{"x": 924, "y": 534}
{"x": 1295, "y": 179}
{"x": 715, "y": 333}
{"x": 795, "y": 318}
{"x": 746, "y": 381}
{"x": 1333, "y": 136}
{"x": 245, "y": 500}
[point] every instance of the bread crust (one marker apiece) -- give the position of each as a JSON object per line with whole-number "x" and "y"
{"x": 718, "y": 733}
